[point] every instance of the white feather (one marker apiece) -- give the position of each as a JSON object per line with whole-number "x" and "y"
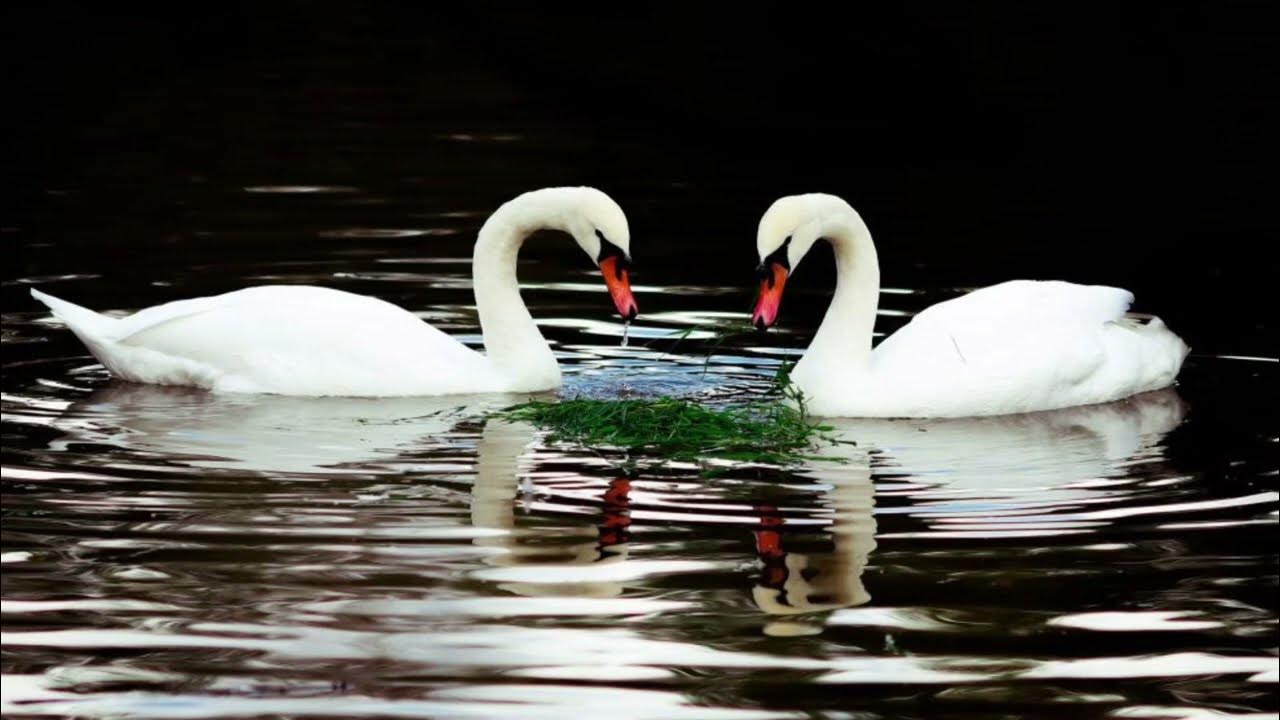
{"x": 1020, "y": 346}
{"x": 303, "y": 340}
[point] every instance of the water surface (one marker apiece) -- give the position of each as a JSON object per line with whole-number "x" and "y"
{"x": 172, "y": 553}
{"x": 169, "y": 553}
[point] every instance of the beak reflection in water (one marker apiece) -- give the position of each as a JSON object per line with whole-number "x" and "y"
{"x": 597, "y": 561}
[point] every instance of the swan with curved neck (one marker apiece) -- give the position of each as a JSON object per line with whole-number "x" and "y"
{"x": 1020, "y": 346}
{"x": 306, "y": 340}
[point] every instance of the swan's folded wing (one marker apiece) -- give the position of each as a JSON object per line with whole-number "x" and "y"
{"x": 1019, "y": 302}
{"x": 1024, "y": 346}
{"x": 307, "y": 341}
{"x": 1050, "y": 322}
{"x": 246, "y": 301}
{"x": 154, "y": 317}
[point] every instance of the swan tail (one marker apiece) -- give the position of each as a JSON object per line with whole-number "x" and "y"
{"x": 89, "y": 326}
{"x": 107, "y": 339}
{"x": 1168, "y": 352}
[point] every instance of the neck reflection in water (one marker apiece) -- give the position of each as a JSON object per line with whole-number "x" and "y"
{"x": 576, "y": 566}
{"x": 981, "y": 478}
{"x": 812, "y": 530}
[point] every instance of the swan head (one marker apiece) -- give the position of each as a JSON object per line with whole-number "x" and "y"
{"x": 787, "y": 230}
{"x": 599, "y": 227}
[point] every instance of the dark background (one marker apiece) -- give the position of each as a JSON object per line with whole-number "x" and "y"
{"x": 1112, "y": 145}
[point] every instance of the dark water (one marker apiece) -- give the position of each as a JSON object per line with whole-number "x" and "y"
{"x": 170, "y": 553}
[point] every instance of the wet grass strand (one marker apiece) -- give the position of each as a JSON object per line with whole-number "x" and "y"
{"x": 679, "y": 429}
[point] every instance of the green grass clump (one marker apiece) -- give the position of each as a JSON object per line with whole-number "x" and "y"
{"x": 680, "y": 429}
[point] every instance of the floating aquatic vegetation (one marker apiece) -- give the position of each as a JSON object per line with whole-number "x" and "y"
{"x": 774, "y": 430}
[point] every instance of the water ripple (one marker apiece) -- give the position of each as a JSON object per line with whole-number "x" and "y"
{"x": 171, "y": 553}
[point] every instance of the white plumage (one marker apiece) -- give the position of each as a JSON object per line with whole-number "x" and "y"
{"x": 285, "y": 339}
{"x": 1019, "y": 346}
{"x": 305, "y": 340}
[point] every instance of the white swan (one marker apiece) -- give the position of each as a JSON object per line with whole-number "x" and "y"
{"x": 303, "y": 340}
{"x": 1019, "y": 346}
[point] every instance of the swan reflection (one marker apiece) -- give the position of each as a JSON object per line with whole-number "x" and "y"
{"x": 792, "y": 582}
{"x": 980, "y": 477}
{"x": 951, "y": 472}
{"x": 493, "y": 501}
{"x": 1043, "y": 450}
{"x": 1017, "y": 474}
{"x": 596, "y": 560}
{"x": 266, "y": 433}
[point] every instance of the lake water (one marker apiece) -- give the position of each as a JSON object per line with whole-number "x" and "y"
{"x": 170, "y": 553}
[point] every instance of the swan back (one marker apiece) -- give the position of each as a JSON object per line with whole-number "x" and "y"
{"x": 1022, "y": 346}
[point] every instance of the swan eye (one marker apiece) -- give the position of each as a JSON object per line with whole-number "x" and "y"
{"x": 777, "y": 257}
{"x": 609, "y": 250}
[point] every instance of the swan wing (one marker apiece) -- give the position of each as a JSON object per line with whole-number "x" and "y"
{"x": 989, "y": 323}
{"x": 1026, "y": 345}
{"x": 293, "y": 340}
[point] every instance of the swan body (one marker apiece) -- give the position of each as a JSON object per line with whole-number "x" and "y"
{"x": 1020, "y": 346}
{"x": 315, "y": 341}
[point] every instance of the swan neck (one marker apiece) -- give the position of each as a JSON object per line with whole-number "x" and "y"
{"x": 845, "y": 335}
{"x": 512, "y": 340}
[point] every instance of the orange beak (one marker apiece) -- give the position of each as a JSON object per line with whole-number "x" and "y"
{"x": 615, "y": 278}
{"x": 766, "y": 312}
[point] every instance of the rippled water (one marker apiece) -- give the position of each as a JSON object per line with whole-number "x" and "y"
{"x": 171, "y": 553}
